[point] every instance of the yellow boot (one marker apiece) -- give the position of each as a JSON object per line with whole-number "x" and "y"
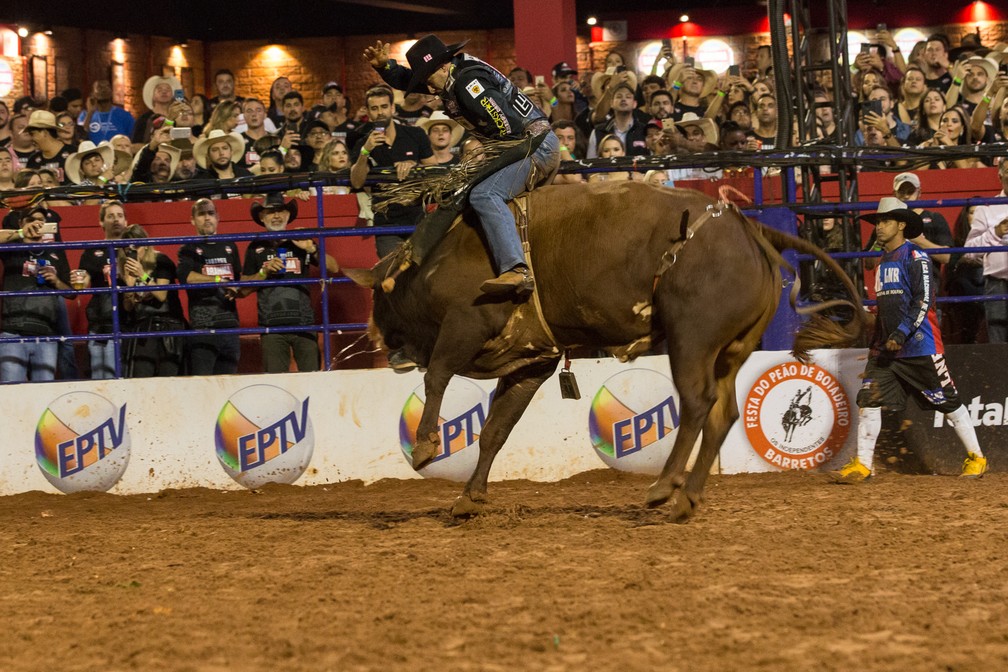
{"x": 852, "y": 472}
{"x": 974, "y": 466}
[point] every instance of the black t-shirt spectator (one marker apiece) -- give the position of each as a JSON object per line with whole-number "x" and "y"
{"x": 348, "y": 132}
{"x": 31, "y": 315}
{"x": 151, "y": 308}
{"x": 411, "y": 144}
{"x": 281, "y": 306}
{"x": 37, "y": 161}
{"x": 210, "y": 307}
{"x": 99, "y": 309}
{"x": 942, "y": 83}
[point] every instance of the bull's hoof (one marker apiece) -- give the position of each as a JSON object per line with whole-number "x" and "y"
{"x": 466, "y": 507}
{"x": 683, "y": 508}
{"x": 659, "y": 493}
{"x": 424, "y": 452}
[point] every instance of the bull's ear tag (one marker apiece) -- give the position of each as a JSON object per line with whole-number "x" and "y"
{"x": 568, "y": 383}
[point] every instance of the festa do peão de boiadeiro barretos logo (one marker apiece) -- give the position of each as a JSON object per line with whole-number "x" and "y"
{"x": 797, "y": 416}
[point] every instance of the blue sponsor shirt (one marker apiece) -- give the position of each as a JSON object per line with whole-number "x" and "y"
{"x": 905, "y": 288}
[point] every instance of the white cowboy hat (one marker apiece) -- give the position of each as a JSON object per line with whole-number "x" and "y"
{"x": 152, "y": 83}
{"x": 43, "y": 119}
{"x": 201, "y": 146}
{"x": 73, "y": 162}
{"x": 710, "y": 78}
{"x": 439, "y": 117}
{"x": 989, "y": 65}
{"x": 600, "y": 80}
{"x": 706, "y": 125}
{"x": 123, "y": 160}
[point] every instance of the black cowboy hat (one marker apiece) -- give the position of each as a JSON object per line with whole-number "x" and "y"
{"x": 425, "y": 56}
{"x": 274, "y": 201}
{"x": 892, "y": 208}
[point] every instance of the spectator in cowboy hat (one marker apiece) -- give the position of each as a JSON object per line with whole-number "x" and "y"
{"x": 50, "y": 150}
{"x": 701, "y": 133}
{"x": 604, "y": 85}
{"x": 975, "y": 75}
{"x": 444, "y": 134}
{"x": 158, "y": 94}
{"x": 283, "y": 305}
{"x": 157, "y": 161}
{"x": 91, "y": 164}
{"x": 186, "y": 169}
{"x": 691, "y": 87}
{"x": 219, "y": 155}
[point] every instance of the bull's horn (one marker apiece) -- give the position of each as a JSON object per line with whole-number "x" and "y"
{"x": 365, "y": 277}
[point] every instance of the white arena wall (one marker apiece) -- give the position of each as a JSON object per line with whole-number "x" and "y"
{"x": 145, "y": 435}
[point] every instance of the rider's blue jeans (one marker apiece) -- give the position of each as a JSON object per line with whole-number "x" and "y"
{"x": 489, "y": 199}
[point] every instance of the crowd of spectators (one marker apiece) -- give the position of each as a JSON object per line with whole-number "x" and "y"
{"x": 923, "y": 99}
{"x": 927, "y": 98}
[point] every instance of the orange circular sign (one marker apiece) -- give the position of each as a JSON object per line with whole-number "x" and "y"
{"x": 797, "y": 416}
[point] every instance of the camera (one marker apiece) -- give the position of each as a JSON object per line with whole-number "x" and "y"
{"x": 49, "y": 228}
{"x": 177, "y": 133}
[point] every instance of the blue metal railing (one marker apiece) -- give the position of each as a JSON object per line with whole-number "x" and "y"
{"x": 325, "y": 280}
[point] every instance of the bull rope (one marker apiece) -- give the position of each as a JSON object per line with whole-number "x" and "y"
{"x": 445, "y": 189}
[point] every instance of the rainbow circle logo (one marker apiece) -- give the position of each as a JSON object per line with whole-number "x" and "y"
{"x": 264, "y": 435}
{"x": 634, "y": 419}
{"x": 82, "y": 442}
{"x": 463, "y": 413}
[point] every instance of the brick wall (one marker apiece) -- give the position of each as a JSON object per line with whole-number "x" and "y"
{"x": 311, "y": 62}
{"x": 76, "y": 57}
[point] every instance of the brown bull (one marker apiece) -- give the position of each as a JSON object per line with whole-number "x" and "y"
{"x": 615, "y": 268}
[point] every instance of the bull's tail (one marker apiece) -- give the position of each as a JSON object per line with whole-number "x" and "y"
{"x": 819, "y": 331}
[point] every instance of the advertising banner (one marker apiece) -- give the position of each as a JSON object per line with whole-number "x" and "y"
{"x": 145, "y": 435}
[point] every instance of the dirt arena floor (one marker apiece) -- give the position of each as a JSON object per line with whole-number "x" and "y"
{"x": 778, "y": 572}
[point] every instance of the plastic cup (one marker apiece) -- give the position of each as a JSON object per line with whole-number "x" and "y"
{"x": 78, "y": 278}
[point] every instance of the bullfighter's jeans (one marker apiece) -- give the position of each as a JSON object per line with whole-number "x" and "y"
{"x": 489, "y": 199}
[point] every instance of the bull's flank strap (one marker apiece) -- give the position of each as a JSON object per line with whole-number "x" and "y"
{"x": 521, "y": 211}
